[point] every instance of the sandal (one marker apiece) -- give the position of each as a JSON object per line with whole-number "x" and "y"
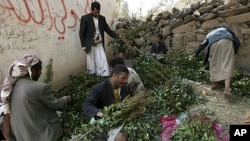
{"x": 227, "y": 95}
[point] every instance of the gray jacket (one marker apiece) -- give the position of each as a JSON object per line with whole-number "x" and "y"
{"x": 33, "y": 112}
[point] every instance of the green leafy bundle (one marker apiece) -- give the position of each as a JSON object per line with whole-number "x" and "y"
{"x": 240, "y": 83}
{"x": 125, "y": 111}
{"x": 176, "y": 98}
{"x": 79, "y": 88}
{"x": 166, "y": 100}
{"x": 49, "y": 73}
{"x": 151, "y": 72}
{"x": 195, "y": 128}
{"x": 131, "y": 108}
{"x": 184, "y": 65}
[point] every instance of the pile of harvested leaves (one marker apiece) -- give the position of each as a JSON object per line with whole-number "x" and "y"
{"x": 197, "y": 127}
{"x": 141, "y": 113}
{"x": 152, "y": 72}
{"x": 184, "y": 65}
{"x": 79, "y": 88}
{"x": 166, "y": 91}
{"x": 240, "y": 83}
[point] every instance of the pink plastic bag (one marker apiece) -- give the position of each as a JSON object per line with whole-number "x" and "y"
{"x": 221, "y": 134}
{"x": 168, "y": 126}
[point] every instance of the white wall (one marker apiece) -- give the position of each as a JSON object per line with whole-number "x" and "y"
{"x": 50, "y": 29}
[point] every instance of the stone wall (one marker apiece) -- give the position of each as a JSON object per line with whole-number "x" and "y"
{"x": 196, "y": 22}
{"x": 50, "y": 29}
{"x": 188, "y": 27}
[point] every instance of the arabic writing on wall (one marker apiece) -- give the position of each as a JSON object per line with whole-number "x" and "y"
{"x": 26, "y": 23}
{"x": 59, "y": 15}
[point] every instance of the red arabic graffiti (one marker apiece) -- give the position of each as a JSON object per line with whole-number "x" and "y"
{"x": 57, "y": 14}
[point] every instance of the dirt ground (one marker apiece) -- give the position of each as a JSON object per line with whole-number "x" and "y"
{"x": 225, "y": 111}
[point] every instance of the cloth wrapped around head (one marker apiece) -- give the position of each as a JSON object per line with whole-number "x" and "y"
{"x": 20, "y": 68}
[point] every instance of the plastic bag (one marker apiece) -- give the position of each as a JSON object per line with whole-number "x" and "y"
{"x": 168, "y": 126}
{"x": 171, "y": 123}
{"x": 221, "y": 134}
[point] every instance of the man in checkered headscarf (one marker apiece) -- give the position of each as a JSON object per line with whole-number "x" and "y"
{"x": 19, "y": 68}
{"x": 29, "y": 103}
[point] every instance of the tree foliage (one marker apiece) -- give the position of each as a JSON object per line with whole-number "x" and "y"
{"x": 124, "y": 9}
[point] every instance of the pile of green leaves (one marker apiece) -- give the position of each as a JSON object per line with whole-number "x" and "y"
{"x": 184, "y": 65}
{"x": 79, "y": 87}
{"x": 175, "y": 99}
{"x": 168, "y": 96}
{"x": 168, "y": 92}
{"x": 165, "y": 101}
{"x": 195, "y": 128}
{"x": 240, "y": 83}
{"x": 141, "y": 114}
{"x": 151, "y": 72}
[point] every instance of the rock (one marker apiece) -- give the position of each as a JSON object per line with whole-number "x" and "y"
{"x": 233, "y": 11}
{"x": 207, "y": 16}
{"x": 238, "y": 18}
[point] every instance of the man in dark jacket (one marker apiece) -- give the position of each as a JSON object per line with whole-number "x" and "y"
{"x": 107, "y": 92}
{"x": 92, "y": 27}
{"x": 134, "y": 84}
